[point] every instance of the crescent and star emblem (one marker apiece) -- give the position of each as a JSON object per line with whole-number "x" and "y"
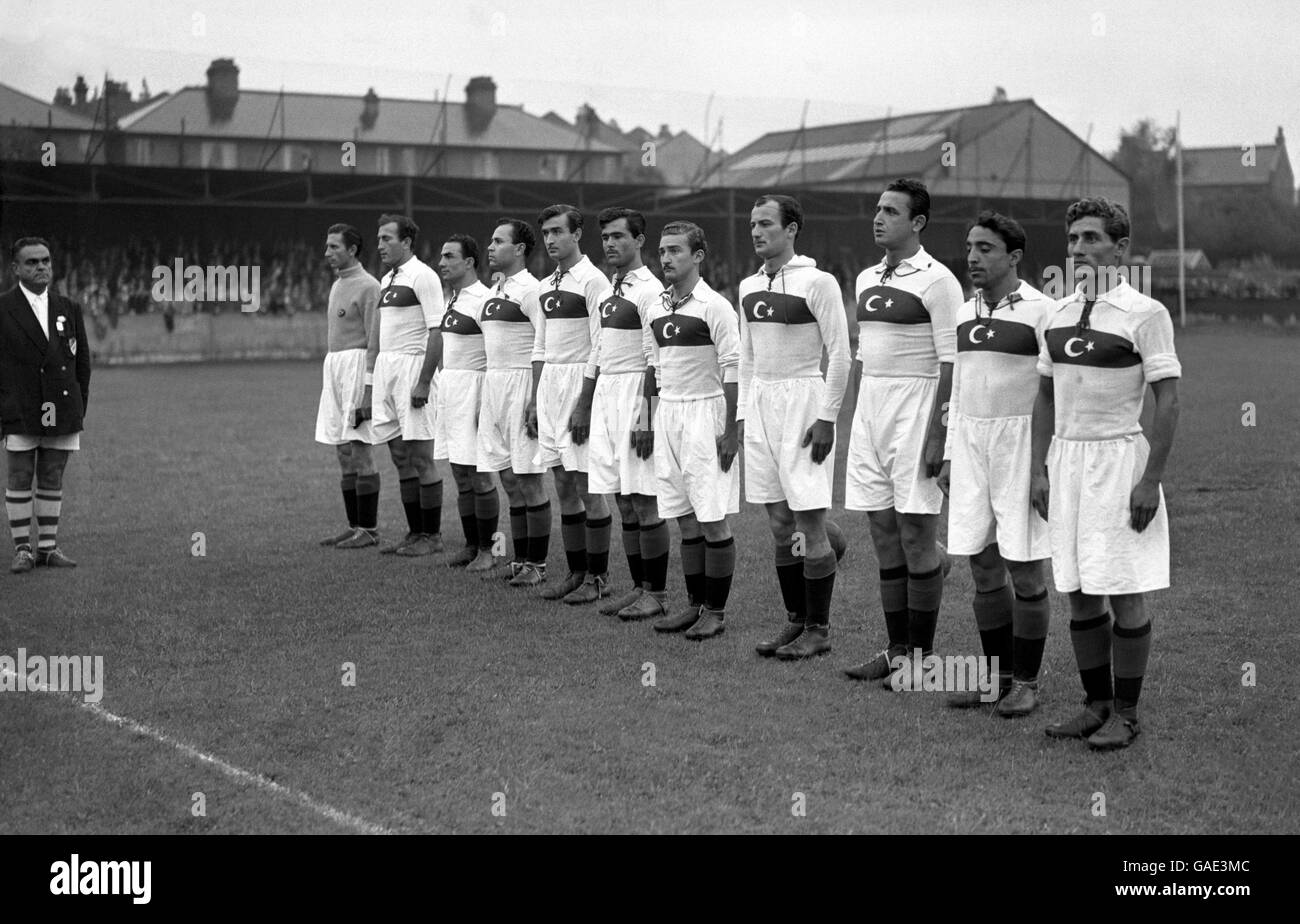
{"x": 670, "y": 330}
{"x": 491, "y": 308}
{"x": 759, "y": 313}
{"x": 1087, "y": 345}
{"x": 607, "y": 309}
{"x": 976, "y": 329}
{"x": 550, "y": 303}
{"x": 450, "y": 321}
{"x": 389, "y": 296}
{"x": 869, "y": 301}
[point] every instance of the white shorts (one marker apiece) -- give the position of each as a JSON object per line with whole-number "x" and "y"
{"x": 557, "y": 395}
{"x": 613, "y": 467}
{"x": 988, "y": 493}
{"x": 885, "y": 466}
{"x": 343, "y": 385}
{"x": 459, "y": 399}
{"x": 392, "y": 414}
{"x": 21, "y": 442}
{"x": 503, "y": 440}
{"x": 778, "y": 467}
{"x": 1094, "y": 549}
{"x": 686, "y": 460}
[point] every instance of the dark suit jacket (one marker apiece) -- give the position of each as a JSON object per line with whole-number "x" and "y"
{"x": 36, "y": 372}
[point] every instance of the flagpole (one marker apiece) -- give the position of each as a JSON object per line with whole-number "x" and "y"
{"x": 1182, "y": 263}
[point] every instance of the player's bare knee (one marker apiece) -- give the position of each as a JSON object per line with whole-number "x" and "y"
{"x": 987, "y": 569}
{"x": 344, "y": 453}
{"x": 22, "y": 466}
{"x": 781, "y": 521}
{"x": 1027, "y": 578}
{"x": 626, "y": 509}
{"x": 596, "y": 505}
{"x": 716, "y": 531}
{"x": 1085, "y": 606}
{"x": 647, "y": 508}
{"x": 481, "y": 482}
{"x": 363, "y": 460}
{"x": 49, "y": 469}
{"x": 1129, "y": 610}
{"x": 689, "y": 526}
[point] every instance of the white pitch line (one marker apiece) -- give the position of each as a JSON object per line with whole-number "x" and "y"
{"x": 244, "y": 776}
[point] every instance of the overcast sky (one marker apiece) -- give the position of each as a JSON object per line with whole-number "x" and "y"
{"x": 1233, "y": 69}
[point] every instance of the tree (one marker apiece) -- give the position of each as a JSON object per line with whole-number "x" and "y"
{"x": 1145, "y": 154}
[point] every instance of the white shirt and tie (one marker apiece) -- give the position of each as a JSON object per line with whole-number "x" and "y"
{"x": 40, "y": 307}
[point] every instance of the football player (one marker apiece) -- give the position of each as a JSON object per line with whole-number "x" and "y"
{"x": 790, "y": 312}
{"x": 1095, "y": 478}
{"x": 906, "y": 346}
{"x": 352, "y": 303}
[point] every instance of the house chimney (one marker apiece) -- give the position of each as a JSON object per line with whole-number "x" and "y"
{"x": 664, "y": 133}
{"x": 369, "y": 109}
{"x": 1279, "y": 140}
{"x": 480, "y": 102}
{"x": 79, "y": 90}
{"x": 223, "y": 89}
{"x": 62, "y": 97}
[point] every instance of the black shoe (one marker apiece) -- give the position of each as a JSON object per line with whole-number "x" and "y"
{"x": 710, "y": 623}
{"x": 789, "y": 632}
{"x": 814, "y": 641}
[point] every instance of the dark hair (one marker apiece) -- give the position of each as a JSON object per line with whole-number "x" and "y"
{"x": 635, "y": 220}
{"x": 520, "y": 233}
{"x": 1114, "y": 217}
{"x": 405, "y": 227}
{"x": 351, "y": 237}
{"x": 571, "y": 214}
{"x": 918, "y": 196}
{"x": 1012, "y": 234}
{"x": 468, "y": 246}
{"x": 694, "y": 234}
{"x": 28, "y": 242}
{"x": 791, "y": 210}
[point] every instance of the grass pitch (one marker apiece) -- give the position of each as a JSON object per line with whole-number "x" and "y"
{"x": 466, "y": 689}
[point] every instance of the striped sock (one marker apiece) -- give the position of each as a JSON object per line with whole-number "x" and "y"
{"x": 693, "y": 569}
{"x": 487, "y": 511}
{"x": 893, "y": 599}
{"x": 468, "y": 524}
{"x": 430, "y": 500}
{"x": 1091, "y": 640}
{"x": 349, "y": 485}
{"x": 18, "y": 507}
{"x": 719, "y": 566}
{"x": 598, "y": 544}
{"x": 1031, "y": 616}
{"x": 1132, "y": 649}
{"x": 368, "y": 501}
{"x": 789, "y": 576}
{"x": 632, "y": 548}
{"x": 654, "y": 554}
{"x": 519, "y": 531}
{"x": 49, "y": 502}
{"x": 573, "y": 533}
{"x": 539, "y": 532}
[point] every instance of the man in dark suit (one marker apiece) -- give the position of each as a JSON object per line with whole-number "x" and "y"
{"x": 44, "y": 387}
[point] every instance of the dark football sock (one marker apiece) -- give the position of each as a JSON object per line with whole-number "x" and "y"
{"x": 597, "y": 540}
{"x": 789, "y": 576}
{"x": 519, "y": 531}
{"x": 573, "y": 533}
{"x": 349, "y": 485}
{"x": 465, "y": 507}
{"x": 893, "y": 599}
{"x": 431, "y": 508}
{"x": 1091, "y": 640}
{"x": 487, "y": 510}
{"x": 993, "y": 609}
{"x": 924, "y": 593}
{"x": 539, "y": 532}
{"x": 719, "y": 566}
{"x": 1132, "y": 649}
{"x": 819, "y": 584}
{"x": 368, "y": 501}
{"x": 693, "y": 569}
{"x": 1030, "y": 618}
{"x": 632, "y": 549}
{"x": 654, "y": 554}
{"x": 410, "y": 489}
